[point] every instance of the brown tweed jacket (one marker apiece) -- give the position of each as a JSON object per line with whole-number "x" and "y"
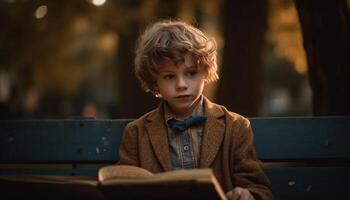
{"x": 227, "y": 148}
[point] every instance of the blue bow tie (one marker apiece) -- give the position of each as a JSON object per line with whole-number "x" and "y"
{"x": 181, "y": 126}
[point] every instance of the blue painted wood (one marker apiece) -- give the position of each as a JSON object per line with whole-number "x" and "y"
{"x": 302, "y": 138}
{"x": 326, "y": 183}
{"x": 60, "y": 141}
{"x": 98, "y": 140}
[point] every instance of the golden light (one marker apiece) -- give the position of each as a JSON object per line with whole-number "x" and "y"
{"x": 80, "y": 25}
{"x": 285, "y": 34}
{"x": 98, "y": 2}
{"x": 41, "y": 12}
{"x": 300, "y": 65}
{"x": 108, "y": 42}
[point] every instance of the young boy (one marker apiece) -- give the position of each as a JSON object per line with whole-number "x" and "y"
{"x": 174, "y": 61}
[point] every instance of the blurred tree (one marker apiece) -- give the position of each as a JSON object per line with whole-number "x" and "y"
{"x": 285, "y": 88}
{"x": 34, "y": 45}
{"x": 325, "y": 27}
{"x": 245, "y": 23}
{"x": 35, "y": 42}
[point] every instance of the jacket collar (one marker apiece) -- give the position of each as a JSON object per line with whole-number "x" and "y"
{"x": 157, "y": 132}
{"x": 212, "y": 138}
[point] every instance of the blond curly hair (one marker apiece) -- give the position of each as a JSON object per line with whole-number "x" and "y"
{"x": 172, "y": 40}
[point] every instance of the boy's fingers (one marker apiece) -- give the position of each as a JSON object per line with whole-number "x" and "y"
{"x": 236, "y": 194}
{"x": 239, "y": 194}
{"x": 229, "y": 195}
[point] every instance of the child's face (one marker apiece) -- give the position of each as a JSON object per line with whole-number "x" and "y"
{"x": 181, "y": 85}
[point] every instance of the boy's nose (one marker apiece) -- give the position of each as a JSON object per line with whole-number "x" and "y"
{"x": 181, "y": 84}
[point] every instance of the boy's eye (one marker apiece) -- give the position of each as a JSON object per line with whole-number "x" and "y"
{"x": 168, "y": 76}
{"x": 192, "y": 73}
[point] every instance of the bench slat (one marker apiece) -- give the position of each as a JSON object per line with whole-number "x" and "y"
{"x": 309, "y": 182}
{"x": 275, "y": 139}
{"x": 302, "y": 138}
{"x": 60, "y": 141}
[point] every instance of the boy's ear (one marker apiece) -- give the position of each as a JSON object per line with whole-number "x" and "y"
{"x": 155, "y": 91}
{"x": 157, "y": 94}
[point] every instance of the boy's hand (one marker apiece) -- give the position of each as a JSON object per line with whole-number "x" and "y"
{"x": 239, "y": 193}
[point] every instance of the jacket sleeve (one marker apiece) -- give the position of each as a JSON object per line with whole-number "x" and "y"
{"x": 128, "y": 151}
{"x": 247, "y": 171}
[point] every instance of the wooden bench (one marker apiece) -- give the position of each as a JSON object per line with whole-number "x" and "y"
{"x": 304, "y": 157}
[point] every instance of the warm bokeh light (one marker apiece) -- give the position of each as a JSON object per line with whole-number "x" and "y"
{"x": 80, "y": 25}
{"x": 285, "y": 34}
{"x": 108, "y": 42}
{"x": 41, "y": 12}
{"x": 89, "y": 110}
{"x": 300, "y": 66}
{"x": 98, "y": 2}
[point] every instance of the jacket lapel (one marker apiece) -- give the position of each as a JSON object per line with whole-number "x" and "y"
{"x": 213, "y": 133}
{"x": 157, "y": 132}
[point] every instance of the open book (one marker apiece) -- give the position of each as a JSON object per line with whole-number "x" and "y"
{"x": 119, "y": 182}
{"x": 136, "y": 183}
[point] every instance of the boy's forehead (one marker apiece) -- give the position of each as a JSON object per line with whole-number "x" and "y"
{"x": 187, "y": 61}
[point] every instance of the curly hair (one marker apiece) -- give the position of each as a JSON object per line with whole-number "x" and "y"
{"x": 172, "y": 40}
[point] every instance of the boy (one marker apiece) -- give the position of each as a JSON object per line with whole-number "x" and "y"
{"x": 174, "y": 61}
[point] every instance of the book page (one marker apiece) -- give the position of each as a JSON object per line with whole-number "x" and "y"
{"x": 122, "y": 172}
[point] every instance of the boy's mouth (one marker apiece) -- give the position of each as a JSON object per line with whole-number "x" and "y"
{"x": 183, "y": 96}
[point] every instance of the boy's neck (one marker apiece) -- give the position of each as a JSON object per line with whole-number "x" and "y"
{"x": 186, "y": 113}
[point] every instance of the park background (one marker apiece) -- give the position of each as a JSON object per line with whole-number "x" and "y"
{"x": 68, "y": 59}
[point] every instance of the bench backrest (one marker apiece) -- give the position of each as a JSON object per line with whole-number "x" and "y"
{"x": 304, "y": 157}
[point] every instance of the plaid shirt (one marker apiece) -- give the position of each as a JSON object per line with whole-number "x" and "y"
{"x": 185, "y": 146}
